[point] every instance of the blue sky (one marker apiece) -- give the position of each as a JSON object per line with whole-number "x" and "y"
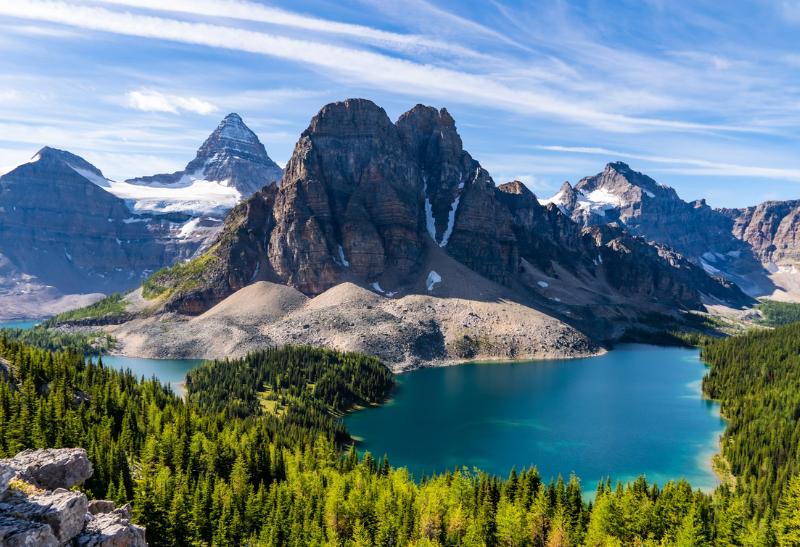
{"x": 701, "y": 95}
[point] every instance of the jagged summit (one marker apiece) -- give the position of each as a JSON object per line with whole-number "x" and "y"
{"x": 619, "y": 179}
{"x": 231, "y": 156}
{"x": 515, "y": 187}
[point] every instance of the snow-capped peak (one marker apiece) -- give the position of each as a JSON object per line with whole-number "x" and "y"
{"x": 233, "y": 128}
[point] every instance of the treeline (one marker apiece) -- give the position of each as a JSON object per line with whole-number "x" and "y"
{"x": 779, "y": 313}
{"x": 43, "y": 337}
{"x": 226, "y": 468}
{"x": 756, "y": 378}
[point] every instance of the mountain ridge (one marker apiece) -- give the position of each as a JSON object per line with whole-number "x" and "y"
{"x": 58, "y": 249}
{"x": 401, "y": 213}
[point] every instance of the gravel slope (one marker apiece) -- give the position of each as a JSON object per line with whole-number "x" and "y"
{"x": 463, "y": 317}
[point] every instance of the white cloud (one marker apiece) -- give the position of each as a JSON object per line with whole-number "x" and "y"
{"x": 687, "y": 166}
{"x": 258, "y": 13}
{"x": 150, "y": 100}
{"x": 369, "y": 68}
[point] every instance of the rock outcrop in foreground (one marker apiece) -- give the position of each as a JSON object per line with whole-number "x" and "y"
{"x": 36, "y": 507}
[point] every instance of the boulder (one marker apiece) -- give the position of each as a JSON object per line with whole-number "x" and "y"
{"x": 112, "y": 529}
{"x": 37, "y": 510}
{"x": 23, "y": 533}
{"x": 64, "y": 511}
{"x": 51, "y": 468}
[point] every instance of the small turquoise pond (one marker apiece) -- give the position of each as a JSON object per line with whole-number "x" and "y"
{"x": 636, "y": 410}
{"x": 19, "y": 323}
{"x": 168, "y": 371}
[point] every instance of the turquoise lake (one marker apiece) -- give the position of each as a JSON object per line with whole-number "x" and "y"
{"x": 636, "y": 410}
{"x": 19, "y": 323}
{"x": 169, "y": 371}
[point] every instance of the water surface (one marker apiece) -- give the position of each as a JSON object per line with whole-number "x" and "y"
{"x": 168, "y": 371}
{"x": 19, "y": 323}
{"x": 635, "y": 410}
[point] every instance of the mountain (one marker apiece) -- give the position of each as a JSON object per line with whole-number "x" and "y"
{"x": 232, "y": 164}
{"x": 629, "y": 199}
{"x": 68, "y": 234}
{"x": 771, "y": 229}
{"x": 60, "y": 233}
{"x": 393, "y": 228}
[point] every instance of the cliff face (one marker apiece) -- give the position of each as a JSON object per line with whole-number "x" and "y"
{"x": 349, "y": 201}
{"x": 771, "y": 229}
{"x": 363, "y": 196}
{"x": 37, "y": 509}
{"x": 369, "y": 201}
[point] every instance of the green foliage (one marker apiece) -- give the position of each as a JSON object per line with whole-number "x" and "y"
{"x": 311, "y": 385}
{"x": 40, "y": 336}
{"x": 180, "y": 278}
{"x": 779, "y": 313}
{"x": 112, "y": 305}
{"x": 216, "y": 469}
{"x": 756, "y": 378}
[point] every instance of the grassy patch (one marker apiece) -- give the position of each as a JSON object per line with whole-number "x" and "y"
{"x": 180, "y": 278}
{"x": 270, "y": 402}
{"x": 108, "y": 306}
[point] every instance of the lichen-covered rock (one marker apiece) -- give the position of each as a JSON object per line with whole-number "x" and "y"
{"x": 51, "y": 468}
{"x": 37, "y": 510}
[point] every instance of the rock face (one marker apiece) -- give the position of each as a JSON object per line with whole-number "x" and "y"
{"x": 369, "y": 201}
{"x": 626, "y": 263}
{"x": 60, "y": 227}
{"x": 36, "y": 509}
{"x": 232, "y": 155}
{"x": 634, "y": 201}
{"x": 771, "y": 229}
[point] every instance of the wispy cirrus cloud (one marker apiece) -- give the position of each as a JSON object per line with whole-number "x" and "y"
{"x": 149, "y": 100}
{"x": 259, "y": 13}
{"x": 369, "y": 68}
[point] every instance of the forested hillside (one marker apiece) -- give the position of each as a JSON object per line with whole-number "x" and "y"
{"x": 756, "y": 378}
{"x": 254, "y": 456}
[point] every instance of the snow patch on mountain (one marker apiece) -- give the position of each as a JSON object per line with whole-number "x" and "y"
{"x": 191, "y": 196}
{"x": 433, "y": 279}
{"x": 99, "y": 180}
{"x": 451, "y": 221}
{"x": 342, "y": 259}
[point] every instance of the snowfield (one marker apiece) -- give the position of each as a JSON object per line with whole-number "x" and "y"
{"x": 191, "y": 194}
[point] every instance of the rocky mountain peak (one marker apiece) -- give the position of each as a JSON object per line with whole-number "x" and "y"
{"x": 515, "y": 187}
{"x": 620, "y": 180}
{"x": 53, "y": 157}
{"x": 349, "y": 118}
{"x": 232, "y": 155}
